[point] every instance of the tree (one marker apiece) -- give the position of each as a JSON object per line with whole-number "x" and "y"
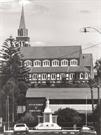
{"x": 97, "y": 67}
{"x": 29, "y": 119}
{"x": 13, "y": 75}
{"x": 67, "y": 117}
{"x": 91, "y": 84}
{"x": 98, "y": 80}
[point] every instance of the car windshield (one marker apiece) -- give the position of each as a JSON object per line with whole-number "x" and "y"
{"x": 20, "y": 125}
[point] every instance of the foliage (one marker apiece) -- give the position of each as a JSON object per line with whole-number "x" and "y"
{"x": 98, "y": 69}
{"x": 13, "y": 75}
{"x": 29, "y": 119}
{"x": 67, "y": 117}
{"x": 91, "y": 83}
{"x": 97, "y": 116}
{"x": 11, "y": 61}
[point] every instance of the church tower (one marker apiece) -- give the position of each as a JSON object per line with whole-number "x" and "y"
{"x": 22, "y": 37}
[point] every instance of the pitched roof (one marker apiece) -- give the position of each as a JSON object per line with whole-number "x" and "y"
{"x": 40, "y": 52}
{"x": 61, "y": 93}
{"x": 86, "y": 60}
{"x": 58, "y": 69}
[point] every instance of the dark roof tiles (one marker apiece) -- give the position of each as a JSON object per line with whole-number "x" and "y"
{"x": 63, "y": 93}
{"x": 58, "y": 69}
{"x": 50, "y": 52}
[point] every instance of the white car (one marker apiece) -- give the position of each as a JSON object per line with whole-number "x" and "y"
{"x": 21, "y": 127}
{"x": 86, "y": 129}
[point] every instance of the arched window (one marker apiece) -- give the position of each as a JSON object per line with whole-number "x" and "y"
{"x": 34, "y": 76}
{"x": 86, "y": 76}
{"x": 37, "y": 63}
{"x": 53, "y": 76}
{"x": 73, "y": 62}
{"x": 71, "y": 76}
{"x": 28, "y": 63}
{"x": 55, "y": 63}
{"x": 64, "y": 62}
{"x": 20, "y": 32}
{"x": 81, "y": 76}
{"x": 44, "y": 76}
{"x": 46, "y": 63}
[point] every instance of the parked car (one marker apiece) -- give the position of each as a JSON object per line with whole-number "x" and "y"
{"x": 21, "y": 127}
{"x": 86, "y": 129}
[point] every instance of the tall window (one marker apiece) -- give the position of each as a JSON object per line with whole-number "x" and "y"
{"x": 28, "y": 63}
{"x": 71, "y": 76}
{"x": 53, "y": 76}
{"x": 46, "y": 63}
{"x": 34, "y": 76}
{"x": 64, "y": 62}
{"x": 86, "y": 76}
{"x": 44, "y": 76}
{"x": 73, "y": 62}
{"x": 55, "y": 63}
{"x": 81, "y": 76}
{"x": 37, "y": 63}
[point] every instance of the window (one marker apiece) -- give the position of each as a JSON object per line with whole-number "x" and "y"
{"x": 37, "y": 63}
{"x": 55, "y": 63}
{"x": 67, "y": 76}
{"x": 39, "y": 76}
{"x": 53, "y": 76}
{"x": 81, "y": 76}
{"x": 64, "y": 62}
{"x": 46, "y": 63}
{"x": 44, "y": 76}
{"x": 73, "y": 62}
{"x": 71, "y": 76}
{"x": 86, "y": 76}
{"x": 28, "y": 63}
{"x": 34, "y": 76}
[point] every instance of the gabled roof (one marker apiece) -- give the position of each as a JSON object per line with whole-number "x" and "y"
{"x": 62, "y": 93}
{"x": 51, "y": 52}
{"x": 58, "y": 69}
{"x": 86, "y": 60}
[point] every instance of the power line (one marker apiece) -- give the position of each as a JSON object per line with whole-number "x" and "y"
{"x": 74, "y": 51}
{"x": 82, "y": 49}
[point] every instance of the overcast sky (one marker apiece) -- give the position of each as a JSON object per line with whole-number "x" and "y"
{"x": 54, "y": 22}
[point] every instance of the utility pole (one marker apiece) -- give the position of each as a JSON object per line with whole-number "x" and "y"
{"x": 99, "y": 112}
{"x": 8, "y": 111}
{"x": 85, "y": 30}
{"x": 92, "y": 99}
{"x": 13, "y": 108}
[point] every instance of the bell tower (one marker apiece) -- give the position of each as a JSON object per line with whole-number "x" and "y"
{"x": 22, "y": 37}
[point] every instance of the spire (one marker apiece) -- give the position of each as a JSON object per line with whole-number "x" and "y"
{"x": 22, "y": 37}
{"x": 22, "y": 20}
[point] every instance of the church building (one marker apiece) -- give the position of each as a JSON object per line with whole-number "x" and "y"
{"x": 53, "y": 64}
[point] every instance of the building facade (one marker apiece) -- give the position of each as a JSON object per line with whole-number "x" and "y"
{"x": 54, "y": 65}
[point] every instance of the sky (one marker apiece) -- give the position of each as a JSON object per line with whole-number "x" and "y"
{"x": 54, "y": 22}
